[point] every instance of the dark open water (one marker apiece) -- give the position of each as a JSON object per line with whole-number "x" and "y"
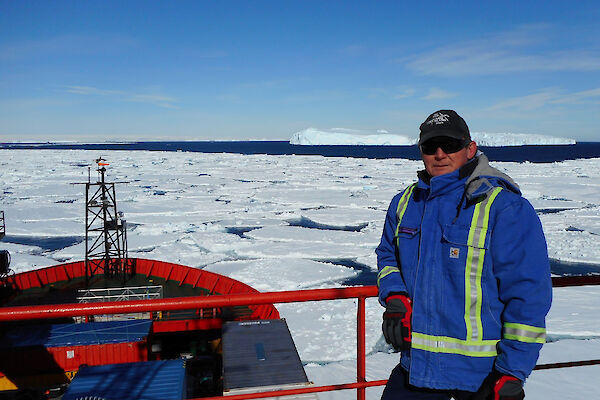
{"x": 539, "y": 153}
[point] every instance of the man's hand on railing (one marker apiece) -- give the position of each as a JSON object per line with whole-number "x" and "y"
{"x": 397, "y": 321}
{"x": 498, "y": 386}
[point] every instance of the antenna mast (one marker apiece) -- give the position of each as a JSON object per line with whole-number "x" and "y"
{"x": 7, "y": 285}
{"x": 2, "y": 225}
{"x": 105, "y": 231}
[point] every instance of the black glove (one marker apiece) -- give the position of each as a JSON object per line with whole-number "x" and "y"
{"x": 498, "y": 386}
{"x": 397, "y": 321}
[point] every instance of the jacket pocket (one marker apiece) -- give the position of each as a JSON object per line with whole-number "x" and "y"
{"x": 466, "y": 236}
{"x": 405, "y": 232}
{"x": 407, "y": 247}
{"x": 461, "y": 248}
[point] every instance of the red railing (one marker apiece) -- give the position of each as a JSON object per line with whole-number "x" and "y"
{"x": 186, "y": 303}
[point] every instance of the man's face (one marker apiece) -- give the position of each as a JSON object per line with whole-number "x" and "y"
{"x": 443, "y": 162}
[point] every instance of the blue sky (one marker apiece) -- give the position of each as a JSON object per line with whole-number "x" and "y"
{"x": 85, "y": 70}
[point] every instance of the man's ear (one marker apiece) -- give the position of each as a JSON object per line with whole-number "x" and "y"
{"x": 471, "y": 150}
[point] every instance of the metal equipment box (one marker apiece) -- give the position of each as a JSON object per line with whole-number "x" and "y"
{"x": 52, "y": 353}
{"x": 260, "y": 356}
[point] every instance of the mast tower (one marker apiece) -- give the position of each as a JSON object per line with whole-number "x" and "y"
{"x": 105, "y": 230}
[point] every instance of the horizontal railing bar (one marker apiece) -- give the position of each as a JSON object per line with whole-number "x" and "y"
{"x": 581, "y": 280}
{"x": 182, "y": 303}
{"x": 290, "y": 392}
{"x": 567, "y": 364}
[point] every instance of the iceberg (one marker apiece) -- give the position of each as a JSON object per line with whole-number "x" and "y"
{"x": 517, "y": 139}
{"x": 354, "y": 137}
{"x": 343, "y": 136}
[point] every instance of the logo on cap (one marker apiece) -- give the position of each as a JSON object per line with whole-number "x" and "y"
{"x": 438, "y": 119}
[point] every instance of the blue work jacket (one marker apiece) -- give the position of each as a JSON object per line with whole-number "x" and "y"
{"x": 470, "y": 252}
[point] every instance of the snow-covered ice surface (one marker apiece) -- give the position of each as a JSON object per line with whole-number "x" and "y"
{"x": 342, "y": 136}
{"x": 297, "y": 222}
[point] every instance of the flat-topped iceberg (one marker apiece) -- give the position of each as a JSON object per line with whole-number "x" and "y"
{"x": 353, "y": 137}
{"x": 517, "y": 139}
{"x": 342, "y": 136}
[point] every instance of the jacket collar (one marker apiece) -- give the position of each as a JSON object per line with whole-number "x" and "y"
{"x": 477, "y": 177}
{"x": 443, "y": 183}
{"x": 438, "y": 185}
{"x": 485, "y": 177}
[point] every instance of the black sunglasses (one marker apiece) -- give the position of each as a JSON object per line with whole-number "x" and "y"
{"x": 447, "y": 144}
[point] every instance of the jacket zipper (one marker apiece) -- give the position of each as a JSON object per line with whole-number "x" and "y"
{"x": 417, "y": 276}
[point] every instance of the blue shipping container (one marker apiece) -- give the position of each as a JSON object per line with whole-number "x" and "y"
{"x": 91, "y": 333}
{"x": 151, "y": 380}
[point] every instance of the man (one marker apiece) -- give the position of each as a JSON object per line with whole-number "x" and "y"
{"x": 463, "y": 274}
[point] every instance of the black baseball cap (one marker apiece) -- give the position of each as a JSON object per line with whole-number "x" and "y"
{"x": 444, "y": 123}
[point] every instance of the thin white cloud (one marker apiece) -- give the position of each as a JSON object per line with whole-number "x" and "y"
{"x": 66, "y": 44}
{"x": 268, "y": 84}
{"x": 156, "y": 99}
{"x": 316, "y": 96}
{"x": 394, "y": 93}
{"x": 353, "y": 50}
{"x": 438, "y": 94}
{"x": 578, "y": 97}
{"x": 212, "y": 54}
{"x": 151, "y": 98}
{"x": 528, "y": 102}
{"x": 402, "y": 94}
{"x": 88, "y": 90}
{"x": 524, "y": 49}
{"x": 546, "y": 97}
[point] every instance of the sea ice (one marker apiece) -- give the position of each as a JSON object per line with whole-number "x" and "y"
{"x": 248, "y": 217}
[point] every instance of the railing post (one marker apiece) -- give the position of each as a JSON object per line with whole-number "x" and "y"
{"x": 360, "y": 348}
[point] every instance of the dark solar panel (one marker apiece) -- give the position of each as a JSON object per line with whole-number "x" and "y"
{"x": 260, "y": 353}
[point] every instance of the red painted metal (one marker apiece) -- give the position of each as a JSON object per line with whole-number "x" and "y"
{"x": 567, "y": 364}
{"x": 564, "y": 281}
{"x": 361, "y": 293}
{"x": 289, "y": 392}
{"x": 186, "y": 275}
{"x": 40, "y": 360}
{"x": 181, "y": 303}
{"x": 186, "y": 325}
{"x": 213, "y": 283}
{"x": 360, "y": 348}
{"x": 203, "y": 302}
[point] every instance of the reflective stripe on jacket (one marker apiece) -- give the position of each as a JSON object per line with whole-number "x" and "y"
{"x": 470, "y": 252}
